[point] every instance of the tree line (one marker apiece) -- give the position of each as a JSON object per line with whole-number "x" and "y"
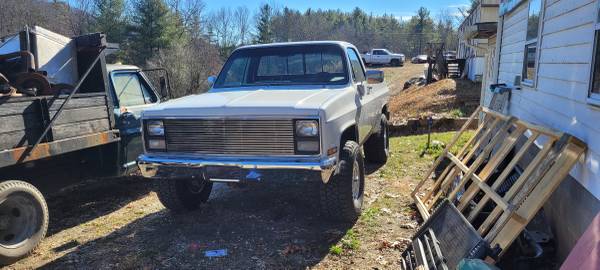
{"x": 192, "y": 43}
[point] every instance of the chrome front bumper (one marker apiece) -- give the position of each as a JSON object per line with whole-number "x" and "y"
{"x": 185, "y": 167}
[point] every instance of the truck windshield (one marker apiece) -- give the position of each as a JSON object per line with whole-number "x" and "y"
{"x": 284, "y": 65}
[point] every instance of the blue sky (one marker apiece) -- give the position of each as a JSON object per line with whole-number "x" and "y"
{"x": 401, "y": 9}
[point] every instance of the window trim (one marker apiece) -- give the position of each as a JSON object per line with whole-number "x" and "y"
{"x": 532, "y": 82}
{"x": 360, "y": 64}
{"x": 594, "y": 98}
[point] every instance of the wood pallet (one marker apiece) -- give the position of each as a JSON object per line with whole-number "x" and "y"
{"x": 474, "y": 174}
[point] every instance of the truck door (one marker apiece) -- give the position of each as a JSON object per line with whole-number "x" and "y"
{"x": 378, "y": 57}
{"x": 365, "y": 100}
{"x": 385, "y": 57}
{"x": 132, "y": 94}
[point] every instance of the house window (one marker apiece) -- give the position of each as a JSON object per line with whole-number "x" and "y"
{"x": 594, "y": 92}
{"x": 595, "y": 85}
{"x": 531, "y": 44}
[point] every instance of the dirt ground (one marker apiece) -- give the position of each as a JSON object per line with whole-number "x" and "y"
{"x": 120, "y": 224}
{"x": 396, "y": 77}
{"x": 445, "y": 98}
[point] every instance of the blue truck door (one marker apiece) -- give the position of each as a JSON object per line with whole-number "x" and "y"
{"x": 133, "y": 94}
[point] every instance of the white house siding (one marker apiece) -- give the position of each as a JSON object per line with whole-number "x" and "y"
{"x": 559, "y": 99}
{"x": 475, "y": 68}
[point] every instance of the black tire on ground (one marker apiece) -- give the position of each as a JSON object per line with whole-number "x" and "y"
{"x": 180, "y": 195}
{"x": 395, "y": 62}
{"x": 23, "y": 220}
{"x": 377, "y": 148}
{"x": 341, "y": 198}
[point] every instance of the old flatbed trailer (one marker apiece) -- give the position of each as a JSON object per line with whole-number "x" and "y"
{"x": 39, "y": 129}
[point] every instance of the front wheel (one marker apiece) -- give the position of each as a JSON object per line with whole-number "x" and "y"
{"x": 23, "y": 220}
{"x": 395, "y": 62}
{"x": 377, "y": 148}
{"x": 183, "y": 194}
{"x": 341, "y": 198}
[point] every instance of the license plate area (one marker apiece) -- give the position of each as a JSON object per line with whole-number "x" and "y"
{"x": 223, "y": 173}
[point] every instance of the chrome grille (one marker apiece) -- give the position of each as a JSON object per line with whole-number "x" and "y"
{"x": 230, "y": 136}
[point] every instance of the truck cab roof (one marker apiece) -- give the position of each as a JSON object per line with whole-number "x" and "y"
{"x": 117, "y": 67}
{"x": 299, "y": 43}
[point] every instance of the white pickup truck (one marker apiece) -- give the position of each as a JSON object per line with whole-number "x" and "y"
{"x": 383, "y": 57}
{"x": 309, "y": 107}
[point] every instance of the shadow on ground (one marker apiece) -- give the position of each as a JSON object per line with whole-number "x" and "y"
{"x": 91, "y": 199}
{"x": 262, "y": 226}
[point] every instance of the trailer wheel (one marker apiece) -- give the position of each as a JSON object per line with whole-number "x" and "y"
{"x": 23, "y": 220}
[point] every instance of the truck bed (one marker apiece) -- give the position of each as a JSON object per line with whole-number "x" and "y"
{"x": 23, "y": 119}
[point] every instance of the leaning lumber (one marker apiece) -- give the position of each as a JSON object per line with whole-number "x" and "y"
{"x": 487, "y": 164}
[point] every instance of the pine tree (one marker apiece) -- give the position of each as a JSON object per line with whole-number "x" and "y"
{"x": 154, "y": 28}
{"x": 421, "y": 25}
{"x": 109, "y": 19}
{"x": 263, "y": 27}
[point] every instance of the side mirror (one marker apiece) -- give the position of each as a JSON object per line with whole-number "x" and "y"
{"x": 211, "y": 80}
{"x": 375, "y": 76}
{"x": 164, "y": 90}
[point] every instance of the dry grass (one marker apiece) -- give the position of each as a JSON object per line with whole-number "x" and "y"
{"x": 396, "y": 76}
{"x": 445, "y": 98}
{"x": 436, "y": 98}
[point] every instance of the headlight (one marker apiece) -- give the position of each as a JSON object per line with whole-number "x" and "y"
{"x": 155, "y": 144}
{"x": 308, "y": 146}
{"x": 155, "y": 128}
{"x": 307, "y": 128}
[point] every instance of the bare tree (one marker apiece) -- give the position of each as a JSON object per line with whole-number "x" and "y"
{"x": 15, "y": 14}
{"x": 189, "y": 15}
{"x": 242, "y": 24}
{"x": 467, "y": 10}
{"x": 188, "y": 74}
{"x": 222, "y": 23}
{"x": 80, "y": 17}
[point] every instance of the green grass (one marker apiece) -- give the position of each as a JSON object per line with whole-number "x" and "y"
{"x": 406, "y": 162}
{"x": 458, "y": 113}
{"x": 336, "y": 250}
{"x": 406, "y": 159}
{"x": 368, "y": 216}
{"x": 434, "y": 149}
{"x": 349, "y": 242}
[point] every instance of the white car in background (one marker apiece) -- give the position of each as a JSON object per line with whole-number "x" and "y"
{"x": 383, "y": 57}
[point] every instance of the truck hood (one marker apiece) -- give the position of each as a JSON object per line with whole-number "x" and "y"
{"x": 247, "y": 101}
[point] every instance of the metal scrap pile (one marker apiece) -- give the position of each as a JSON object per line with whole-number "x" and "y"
{"x": 36, "y": 62}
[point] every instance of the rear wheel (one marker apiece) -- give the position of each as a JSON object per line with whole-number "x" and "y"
{"x": 23, "y": 220}
{"x": 377, "y": 148}
{"x": 341, "y": 198}
{"x": 183, "y": 194}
